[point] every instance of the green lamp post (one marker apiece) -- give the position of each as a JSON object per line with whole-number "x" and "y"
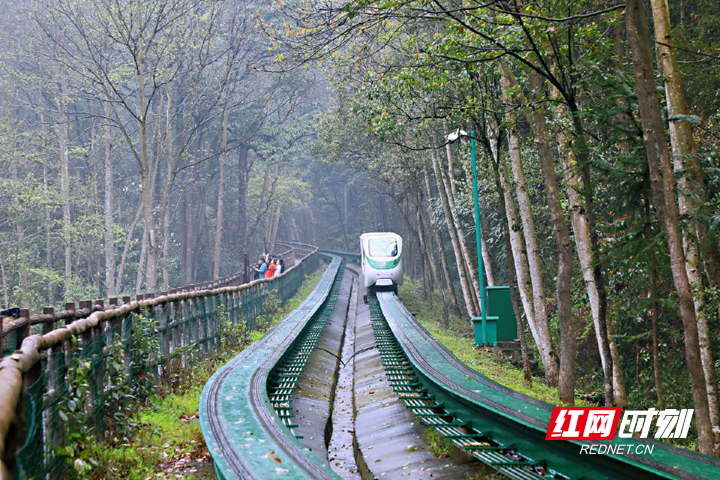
{"x": 483, "y": 340}
{"x": 478, "y": 241}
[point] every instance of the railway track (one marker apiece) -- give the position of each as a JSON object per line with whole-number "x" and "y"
{"x": 280, "y": 408}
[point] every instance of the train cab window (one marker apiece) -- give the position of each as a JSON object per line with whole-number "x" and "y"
{"x": 383, "y": 247}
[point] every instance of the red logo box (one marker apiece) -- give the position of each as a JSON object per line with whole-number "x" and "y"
{"x": 583, "y": 423}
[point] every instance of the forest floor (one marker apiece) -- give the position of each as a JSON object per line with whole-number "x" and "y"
{"x": 459, "y": 339}
{"x": 168, "y": 442}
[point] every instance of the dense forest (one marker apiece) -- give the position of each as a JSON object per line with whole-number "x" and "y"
{"x": 150, "y": 144}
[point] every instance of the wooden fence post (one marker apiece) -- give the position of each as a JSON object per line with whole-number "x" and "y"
{"x": 201, "y": 321}
{"x": 24, "y": 331}
{"x": 126, "y": 338}
{"x": 29, "y": 379}
{"x": 161, "y": 314}
{"x": 176, "y": 322}
{"x": 115, "y": 322}
{"x": 97, "y": 373}
{"x": 187, "y": 330}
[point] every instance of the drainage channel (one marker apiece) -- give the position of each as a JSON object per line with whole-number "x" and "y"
{"x": 343, "y": 455}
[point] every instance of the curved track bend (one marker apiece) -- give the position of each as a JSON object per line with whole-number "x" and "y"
{"x": 272, "y": 412}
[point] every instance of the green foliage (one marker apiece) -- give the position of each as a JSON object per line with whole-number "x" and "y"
{"x": 83, "y": 409}
{"x": 78, "y": 432}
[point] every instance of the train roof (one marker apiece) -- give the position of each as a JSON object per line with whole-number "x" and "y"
{"x": 379, "y": 234}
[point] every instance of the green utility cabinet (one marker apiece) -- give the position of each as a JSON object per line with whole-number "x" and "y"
{"x": 501, "y": 324}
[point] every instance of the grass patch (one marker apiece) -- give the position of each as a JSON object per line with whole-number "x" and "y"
{"x": 168, "y": 442}
{"x": 442, "y": 448}
{"x": 437, "y": 444}
{"x": 459, "y": 339}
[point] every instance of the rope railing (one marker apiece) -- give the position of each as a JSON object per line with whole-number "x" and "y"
{"x": 34, "y": 378}
{"x": 287, "y": 254}
{"x": 14, "y": 329}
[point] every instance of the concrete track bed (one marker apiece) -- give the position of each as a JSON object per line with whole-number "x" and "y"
{"x": 390, "y": 438}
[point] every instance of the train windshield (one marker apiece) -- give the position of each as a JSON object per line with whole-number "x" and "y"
{"x": 383, "y": 247}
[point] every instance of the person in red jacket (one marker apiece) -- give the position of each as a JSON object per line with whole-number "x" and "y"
{"x": 271, "y": 269}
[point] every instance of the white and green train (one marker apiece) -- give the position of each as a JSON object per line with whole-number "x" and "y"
{"x": 381, "y": 254}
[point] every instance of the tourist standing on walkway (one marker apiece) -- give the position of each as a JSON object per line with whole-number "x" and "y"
{"x": 262, "y": 268}
{"x": 271, "y": 269}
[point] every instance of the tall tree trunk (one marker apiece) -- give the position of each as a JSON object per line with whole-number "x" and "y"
{"x": 186, "y": 233}
{"x": 691, "y": 195}
{"x": 141, "y": 274}
{"x": 149, "y": 228}
{"x": 264, "y": 207}
{"x": 145, "y": 166}
{"x": 275, "y": 226}
{"x": 311, "y": 225}
{"x": 423, "y": 229}
{"x": 511, "y": 259}
{"x": 19, "y": 245}
{"x": 221, "y": 195}
{"x": 6, "y": 292}
{"x": 166, "y": 251}
{"x": 46, "y": 226}
{"x": 63, "y": 135}
{"x": 108, "y": 212}
{"x": 48, "y": 242}
{"x": 199, "y": 231}
{"x": 346, "y": 191}
{"x": 242, "y": 223}
{"x": 459, "y": 260}
{"x": 432, "y": 259}
{"x": 383, "y": 214}
{"x": 622, "y": 119}
{"x": 487, "y": 259}
{"x": 586, "y": 253}
{"x": 531, "y": 244}
{"x": 294, "y": 232}
{"x": 664, "y": 196}
{"x": 441, "y": 246}
{"x": 166, "y": 224}
{"x": 126, "y": 249}
{"x": 427, "y": 262}
{"x": 568, "y": 342}
{"x": 522, "y": 270}
{"x": 563, "y": 294}
{"x": 652, "y": 294}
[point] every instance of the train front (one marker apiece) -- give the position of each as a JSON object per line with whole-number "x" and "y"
{"x": 382, "y": 259}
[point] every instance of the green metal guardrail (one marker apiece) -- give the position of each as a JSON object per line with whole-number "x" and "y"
{"x": 507, "y": 421}
{"x": 245, "y": 435}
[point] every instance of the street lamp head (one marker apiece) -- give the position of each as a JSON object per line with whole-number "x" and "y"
{"x": 452, "y": 136}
